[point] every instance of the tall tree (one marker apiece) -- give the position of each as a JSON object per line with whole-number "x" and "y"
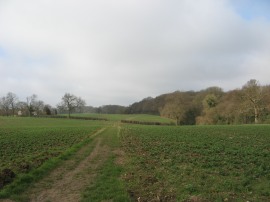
{"x": 38, "y": 106}
{"x": 209, "y": 114}
{"x": 253, "y": 94}
{"x": 12, "y": 100}
{"x": 179, "y": 106}
{"x": 4, "y": 106}
{"x": 80, "y": 103}
{"x": 30, "y": 100}
{"x": 229, "y": 108}
{"x": 69, "y": 103}
{"x": 47, "y": 109}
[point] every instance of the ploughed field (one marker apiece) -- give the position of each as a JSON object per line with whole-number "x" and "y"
{"x": 148, "y": 163}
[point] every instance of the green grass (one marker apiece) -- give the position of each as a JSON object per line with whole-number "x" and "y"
{"x": 29, "y": 122}
{"x": 24, "y": 180}
{"x": 27, "y": 142}
{"x": 167, "y": 163}
{"x": 31, "y": 146}
{"x": 133, "y": 117}
{"x": 212, "y": 163}
{"x": 108, "y": 186}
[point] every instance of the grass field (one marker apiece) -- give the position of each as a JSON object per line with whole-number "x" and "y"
{"x": 131, "y": 117}
{"x": 203, "y": 163}
{"x": 125, "y": 162}
{"x": 27, "y": 143}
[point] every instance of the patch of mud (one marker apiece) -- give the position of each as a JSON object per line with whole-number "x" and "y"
{"x": 6, "y": 177}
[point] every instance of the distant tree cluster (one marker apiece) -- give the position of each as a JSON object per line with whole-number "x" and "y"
{"x": 10, "y": 105}
{"x": 250, "y": 104}
{"x": 110, "y": 109}
{"x": 105, "y": 109}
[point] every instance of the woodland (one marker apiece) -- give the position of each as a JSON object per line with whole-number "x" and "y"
{"x": 246, "y": 105}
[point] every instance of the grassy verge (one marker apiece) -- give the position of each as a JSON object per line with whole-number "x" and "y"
{"x": 108, "y": 184}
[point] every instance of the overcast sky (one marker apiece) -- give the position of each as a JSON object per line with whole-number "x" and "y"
{"x": 121, "y": 51}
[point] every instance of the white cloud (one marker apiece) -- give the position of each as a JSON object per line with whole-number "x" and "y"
{"x": 117, "y": 52}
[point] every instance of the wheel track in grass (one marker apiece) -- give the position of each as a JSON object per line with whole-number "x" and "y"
{"x": 68, "y": 181}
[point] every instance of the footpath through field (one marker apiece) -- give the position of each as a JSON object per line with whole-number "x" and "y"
{"x": 67, "y": 181}
{"x": 70, "y": 181}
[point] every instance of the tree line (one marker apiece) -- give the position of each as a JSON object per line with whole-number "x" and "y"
{"x": 10, "y": 105}
{"x": 245, "y": 105}
{"x": 248, "y": 104}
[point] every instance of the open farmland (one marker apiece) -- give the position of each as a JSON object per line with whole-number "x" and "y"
{"x": 108, "y": 160}
{"x": 203, "y": 163}
{"x": 26, "y": 143}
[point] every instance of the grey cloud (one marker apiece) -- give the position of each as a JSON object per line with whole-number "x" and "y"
{"x": 122, "y": 51}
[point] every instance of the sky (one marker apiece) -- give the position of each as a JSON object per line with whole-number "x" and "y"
{"x": 121, "y": 51}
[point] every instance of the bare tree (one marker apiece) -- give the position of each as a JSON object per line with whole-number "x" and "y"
{"x": 38, "y": 106}
{"x": 4, "y": 105}
{"x": 253, "y": 94}
{"x": 22, "y": 107}
{"x": 80, "y": 103}
{"x": 30, "y": 100}
{"x": 69, "y": 103}
{"x": 12, "y": 100}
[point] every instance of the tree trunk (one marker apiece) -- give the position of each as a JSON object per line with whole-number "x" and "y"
{"x": 177, "y": 120}
{"x": 29, "y": 111}
{"x": 256, "y": 114}
{"x": 13, "y": 110}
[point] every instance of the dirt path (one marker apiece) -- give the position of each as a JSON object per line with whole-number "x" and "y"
{"x": 67, "y": 182}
